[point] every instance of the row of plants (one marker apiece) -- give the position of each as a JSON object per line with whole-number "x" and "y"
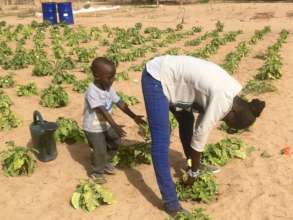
{"x": 215, "y": 44}
{"x": 232, "y": 60}
{"x": 197, "y": 41}
{"x": 271, "y": 69}
{"x": 177, "y": 50}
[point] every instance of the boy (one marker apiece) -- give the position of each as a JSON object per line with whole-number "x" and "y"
{"x": 102, "y": 132}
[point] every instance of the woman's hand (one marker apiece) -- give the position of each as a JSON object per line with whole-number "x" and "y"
{"x": 189, "y": 181}
{"x": 190, "y": 177}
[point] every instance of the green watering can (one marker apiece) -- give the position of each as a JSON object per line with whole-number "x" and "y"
{"x": 43, "y": 139}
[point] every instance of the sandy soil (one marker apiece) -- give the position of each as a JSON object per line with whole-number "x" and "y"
{"x": 254, "y": 189}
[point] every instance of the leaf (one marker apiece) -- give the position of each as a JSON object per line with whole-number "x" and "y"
{"x": 107, "y": 197}
{"x": 240, "y": 154}
{"x": 18, "y": 163}
{"x": 90, "y": 201}
{"x": 89, "y": 195}
{"x": 75, "y": 200}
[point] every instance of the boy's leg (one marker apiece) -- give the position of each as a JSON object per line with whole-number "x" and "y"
{"x": 99, "y": 145}
{"x": 113, "y": 141}
{"x": 186, "y": 126}
{"x": 157, "y": 108}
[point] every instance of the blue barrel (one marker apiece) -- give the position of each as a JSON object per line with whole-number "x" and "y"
{"x": 65, "y": 12}
{"x": 49, "y": 12}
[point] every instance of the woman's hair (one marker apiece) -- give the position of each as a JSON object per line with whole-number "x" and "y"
{"x": 98, "y": 64}
{"x": 245, "y": 112}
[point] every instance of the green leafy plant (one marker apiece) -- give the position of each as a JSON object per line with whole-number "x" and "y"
{"x": 95, "y": 33}
{"x": 197, "y": 41}
{"x": 145, "y": 130}
{"x": 129, "y": 100}
{"x": 68, "y": 131}
{"x": 226, "y": 149}
{"x": 65, "y": 63}
{"x": 154, "y": 32}
{"x": 89, "y": 195}
{"x": 84, "y": 55}
{"x": 121, "y": 76}
{"x": 43, "y": 68}
{"x": 259, "y": 34}
{"x": 196, "y": 214}
{"x": 204, "y": 189}
{"x": 54, "y": 97}
{"x": 273, "y": 63}
{"x": 61, "y": 77}
{"x": 27, "y": 90}
{"x": 232, "y": 60}
{"x": 216, "y": 43}
{"x": 17, "y": 160}
{"x": 257, "y": 87}
{"x": 131, "y": 155}
{"x": 173, "y": 51}
{"x": 7, "y": 81}
{"x": 8, "y": 119}
{"x": 81, "y": 86}
{"x": 20, "y": 60}
{"x": 173, "y": 122}
{"x": 137, "y": 68}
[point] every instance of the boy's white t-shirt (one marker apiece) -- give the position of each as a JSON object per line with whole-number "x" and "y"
{"x": 95, "y": 97}
{"x": 188, "y": 80}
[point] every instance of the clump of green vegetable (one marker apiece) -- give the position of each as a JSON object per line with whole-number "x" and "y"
{"x": 6, "y": 81}
{"x": 17, "y": 160}
{"x": 226, "y": 149}
{"x": 204, "y": 189}
{"x": 27, "y": 90}
{"x": 89, "y": 195}
{"x": 129, "y": 100}
{"x": 68, "y": 131}
{"x": 8, "y": 119}
{"x": 131, "y": 155}
{"x": 196, "y": 214}
{"x": 54, "y": 97}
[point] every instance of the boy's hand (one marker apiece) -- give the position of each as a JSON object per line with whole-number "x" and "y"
{"x": 139, "y": 120}
{"x": 120, "y": 131}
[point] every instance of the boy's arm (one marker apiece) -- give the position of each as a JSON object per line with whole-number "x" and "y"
{"x": 137, "y": 118}
{"x": 102, "y": 111}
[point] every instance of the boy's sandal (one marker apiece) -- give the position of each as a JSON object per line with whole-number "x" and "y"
{"x": 98, "y": 178}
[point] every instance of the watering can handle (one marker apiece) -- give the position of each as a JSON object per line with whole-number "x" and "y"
{"x": 38, "y": 117}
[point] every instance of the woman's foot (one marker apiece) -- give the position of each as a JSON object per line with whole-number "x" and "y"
{"x": 203, "y": 167}
{"x": 175, "y": 212}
